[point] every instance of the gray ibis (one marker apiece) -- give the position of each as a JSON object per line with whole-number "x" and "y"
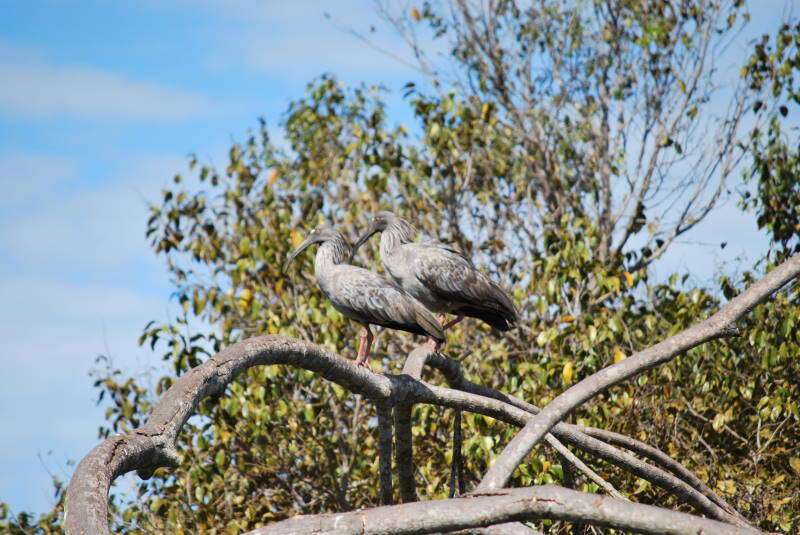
{"x": 439, "y": 276}
{"x": 363, "y": 295}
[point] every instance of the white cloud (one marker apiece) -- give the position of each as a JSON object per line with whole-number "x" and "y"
{"x": 34, "y": 88}
{"x": 89, "y": 230}
{"x": 27, "y": 177}
{"x": 51, "y": 332}
{"x": 73, "y": 289}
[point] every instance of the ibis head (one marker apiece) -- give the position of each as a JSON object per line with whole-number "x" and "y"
{"x": 320, "y": 234}
{"x": 379, "y": 223}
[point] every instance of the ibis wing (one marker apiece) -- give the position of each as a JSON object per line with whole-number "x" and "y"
{"x": 451, "y": 277}
{"x": 370, "y": 298}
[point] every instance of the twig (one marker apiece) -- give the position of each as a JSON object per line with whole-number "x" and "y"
{"x": 719, "y": 325}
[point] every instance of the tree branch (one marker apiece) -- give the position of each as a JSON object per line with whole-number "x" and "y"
{"x": 153, "y": 445}
{"x": 385, "y": 451}
{"x": 662, "y": 459}
{"x": 719, "y": 325}
{"x": 501, "y": 506}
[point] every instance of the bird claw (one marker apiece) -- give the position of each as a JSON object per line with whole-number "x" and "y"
{"x": 363, "y": 364}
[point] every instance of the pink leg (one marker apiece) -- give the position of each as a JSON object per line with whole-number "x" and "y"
{"x": 364, "y": 347}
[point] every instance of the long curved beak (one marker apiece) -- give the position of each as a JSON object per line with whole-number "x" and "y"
{"x": 308, "y": 241}
{"x": 372, "y": 229}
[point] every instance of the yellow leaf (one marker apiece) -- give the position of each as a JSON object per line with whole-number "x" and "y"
{"x": 279, "y": 286}
{"x": 415, "y": 15}
{"x": 273, "y": 176}
{"x": 619, "y": 356}
{"x": 545, "y": 466}
{"x": 794, "y": 462}
{"x": 246, "y": 295}
{"x": 567, "y": 319}
{"x": 628, "y": 278}
{"x": 718, "y": 422}
{"x": 297, "y": 238}
{"x": 567, "y": 373}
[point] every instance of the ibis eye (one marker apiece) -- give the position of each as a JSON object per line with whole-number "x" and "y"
{"x": 377, "y": 219}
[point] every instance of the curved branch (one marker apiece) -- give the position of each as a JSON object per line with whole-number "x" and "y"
{"x": 505, "y": 505}
{"x": 571, "y": 435}
{"x": 153, "y": 445}
{"x": 719, "y": 325}
{"x": 662, "y": 459}
{"x": 686, "y": 490}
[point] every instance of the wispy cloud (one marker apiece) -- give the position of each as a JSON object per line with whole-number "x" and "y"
{"x": 26, "y": 177}
{"x": 72, "y": 279}
{"x": 295, "y": 41}
{"x": 52, "y": 332}
{"x": 85, "y": 230}
{"x": 35, "y": 88}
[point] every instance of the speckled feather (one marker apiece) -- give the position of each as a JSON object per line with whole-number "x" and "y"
{"x": 367, "y": 297}
{"x": 443, "y": 279}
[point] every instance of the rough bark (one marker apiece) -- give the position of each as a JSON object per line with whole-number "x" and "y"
{"x": 504, "y": 505}
{"x": 719, "y": 325}
{"x": 153, "y": 445}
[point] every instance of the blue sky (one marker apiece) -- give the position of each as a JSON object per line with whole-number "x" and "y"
{"x": 100, "y": 103}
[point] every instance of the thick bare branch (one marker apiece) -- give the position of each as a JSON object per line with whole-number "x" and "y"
{"x": 719, "y": 325}
{"x": 385, "y": 451}
{"x": 505, "y": 505}
{"x": 153, "y": 445}
{"x": 662, "y": 459}
{"x": 686, "y": 489}
{"x": 574, "y": 437}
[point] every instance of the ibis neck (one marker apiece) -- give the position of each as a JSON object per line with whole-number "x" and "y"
{"x": 331, "y": 253}
{"x": 395, "y": 235}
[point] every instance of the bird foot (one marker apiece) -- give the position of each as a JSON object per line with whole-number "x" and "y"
{"x": 363, "y": 363}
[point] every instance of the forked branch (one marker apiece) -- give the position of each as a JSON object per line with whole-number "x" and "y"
{"x": 501, "y": 506}
{"x": 720, "y": 325}
{"x": 153, "y": 445}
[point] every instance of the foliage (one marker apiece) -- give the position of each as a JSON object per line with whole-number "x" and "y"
{"x": 28, "y": 524}
{"x": 554, "y": 201}
{"x": 598, "y": 109}
{"x": 771, "y": 73}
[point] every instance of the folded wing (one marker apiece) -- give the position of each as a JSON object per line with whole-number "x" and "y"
{"x": 370, "y": 298}
{"x": 451, "y": 277}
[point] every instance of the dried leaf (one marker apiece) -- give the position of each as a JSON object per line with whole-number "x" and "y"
{"x": 794, "y": 462}
{"x": 567, "y": 372}
{"x": 628, "y": 278}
